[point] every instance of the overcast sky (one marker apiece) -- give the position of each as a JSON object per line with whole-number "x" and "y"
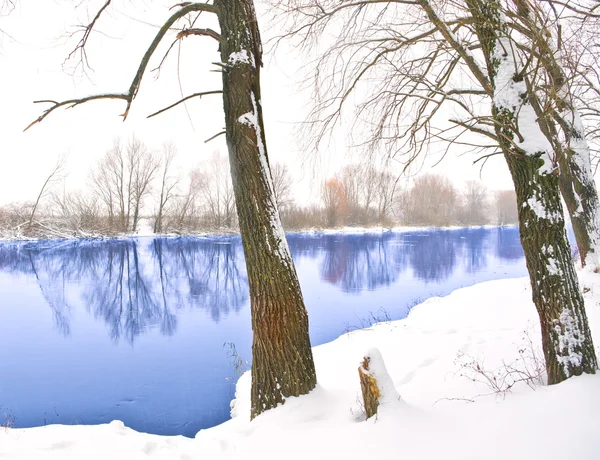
{"x": 31, "y": 64}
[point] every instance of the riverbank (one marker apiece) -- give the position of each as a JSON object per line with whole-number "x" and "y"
{"x": 439, "y": 359}
{"x": 147, "y": 232}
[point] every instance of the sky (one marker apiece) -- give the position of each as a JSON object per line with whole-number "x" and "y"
{"x": 32, "y": 62}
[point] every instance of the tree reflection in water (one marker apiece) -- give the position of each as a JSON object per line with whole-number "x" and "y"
{"x": 134, "y": 285}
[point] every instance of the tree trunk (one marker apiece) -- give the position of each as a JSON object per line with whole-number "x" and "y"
{"x": 369, "y": 388}
{"x": 566, "y": 339}
{"x": 581, "y": 197}
{"x": 282, "y": 363}
{"x": 576, "y": 177}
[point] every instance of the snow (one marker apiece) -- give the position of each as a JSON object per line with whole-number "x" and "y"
{"x": 239, "y": 57}
{"x": 282, "y": 250}
{"x": 446, "y": 411}
{"x": 569, "y": 338}
{"x": 385, "y": 385}
{"x": 510, "y": 95}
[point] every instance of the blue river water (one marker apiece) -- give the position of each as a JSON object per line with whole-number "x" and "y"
{"x": 149, "y": 330}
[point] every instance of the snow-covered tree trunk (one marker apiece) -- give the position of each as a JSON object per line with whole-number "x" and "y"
{"x": 566, "y": 338}
{"x": 282, "y": 362}
{"x": 579, "y": 190}
{"x": 576, "y": 183}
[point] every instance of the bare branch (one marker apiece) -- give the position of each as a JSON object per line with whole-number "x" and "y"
{"x": 87, "y": 30}
{"x": 185, "y": 99}
{"x": 72, "y": 103}
{"x": 135, "y": 84}
{"x": 214, "y": 137}
{"x": 201, "y": 32}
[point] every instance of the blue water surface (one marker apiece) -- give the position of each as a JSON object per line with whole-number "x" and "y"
{"x": 141, "y": 330}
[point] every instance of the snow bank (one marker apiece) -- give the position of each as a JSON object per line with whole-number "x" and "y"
{"x": 444, "y": 413}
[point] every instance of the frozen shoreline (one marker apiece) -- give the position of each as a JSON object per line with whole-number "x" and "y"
{"x": 425, "y": 355}
{"x": 219, "y": 234}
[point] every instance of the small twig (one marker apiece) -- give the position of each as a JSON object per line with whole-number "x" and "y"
{"x": 214, "y": 137}
{"x": 185, "y": 99}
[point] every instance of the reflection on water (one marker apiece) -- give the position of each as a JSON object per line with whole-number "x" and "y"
{"x": 138, "y": 324}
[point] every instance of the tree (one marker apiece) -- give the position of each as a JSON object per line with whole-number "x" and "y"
{"x": 559, "y": 114}
{"x": 335, "y": 203}
{"x": 506, "y": 207}
{"x": 432, "y": 200}
{"x": 186, "y": 205}
{"x": 142, "y": 167}
{"x": 282, "y": 357}
{"x": 282, "y": 183}
{"x": 417, "y": 60}
{"x": 413, "y": 61}
{"x": 566, "y": 338}
{"x": 121, "y": 180}
{"x": 218, "y": 193}
{"x": 168, "y": 183}
{"x": 386, "y": 191}
{"x": 56, "y": 174}
{"x": 475, "y": 204}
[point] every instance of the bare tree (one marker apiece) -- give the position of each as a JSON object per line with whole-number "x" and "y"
{"x": 218, "y": 194}
{"x": 282, "y": 357}
{"x": 185, "y": 208}
{"x": 475, "y": 204}
{"x": 168, "y": 183}
{"x": 143, "y": 167}
{"x": 506, "y": 207}
{"x": 432, "y": 200}
{"x": 122, "y": 180}
{"x": 56, "y": 174}
{"x": 558, "y": 112}
{"x": 282, "y": 184}
{"x": 350, "y": 178}
{"x": 555, "y": 289}
{"x": 386, "y": 192}
{"x": 419, "y": 56}
{"x": 335, "y": 203}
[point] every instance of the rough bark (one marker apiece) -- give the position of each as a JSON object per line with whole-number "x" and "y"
{"x": 576, "y": 183}
{"x": 566, "y": 339}
{"x": 369, "y": 388}
{"x": 282, "y": 363}
{"x": 581, "y": 198}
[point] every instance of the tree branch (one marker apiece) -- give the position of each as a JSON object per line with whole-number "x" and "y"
{"x": 202, "y": 32}
{"x": 136, "y": 82}
{"x": 185, "y": 99}
{"x": 87, "y": 30}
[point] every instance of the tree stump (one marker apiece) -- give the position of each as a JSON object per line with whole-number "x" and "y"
{"x": 369, "y": 387}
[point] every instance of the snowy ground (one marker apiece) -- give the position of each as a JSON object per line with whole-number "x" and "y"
{"x": 435, "y": 419}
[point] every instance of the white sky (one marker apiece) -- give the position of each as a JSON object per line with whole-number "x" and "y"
{"x": 31, "y": 69}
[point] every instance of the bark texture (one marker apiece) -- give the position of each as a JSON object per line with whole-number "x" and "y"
{"x": 576, "y": 183}
{"x": 566, "y": 339}
{"x": 282, "y": 362}
{"x": 369, "y": 388}
{"x": 581, "y": 198}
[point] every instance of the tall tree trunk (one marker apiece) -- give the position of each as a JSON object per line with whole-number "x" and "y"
{"x": 282, "y": 362}
{"x": 581, "y": 198}
{"x": 566, "y": 339}
{"x": 576, "y": 183}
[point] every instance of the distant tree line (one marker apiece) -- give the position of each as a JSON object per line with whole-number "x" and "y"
{"x": 132, "y": 181}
